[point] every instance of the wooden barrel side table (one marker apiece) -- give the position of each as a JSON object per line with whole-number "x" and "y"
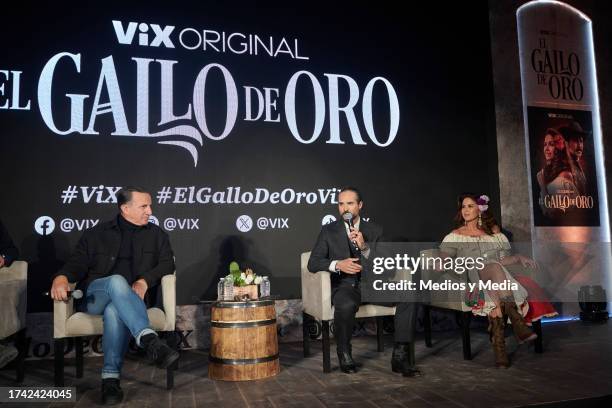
{"x": 244, "y": 344}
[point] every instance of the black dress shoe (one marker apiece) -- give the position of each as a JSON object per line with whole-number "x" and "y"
{"x": 357, "y": 364}
{"x": 111, "y": 391}
{"x": 402, "y": 361}
{"x": 347, "y": 365}
{"x": 157, "y": 351}
{"x": 411, "y": 372}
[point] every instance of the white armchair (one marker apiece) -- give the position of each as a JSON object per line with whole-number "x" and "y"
{"x": 316, "y": 300}
{"x": 68, "y": 324}
{"x": 13, "y": 307}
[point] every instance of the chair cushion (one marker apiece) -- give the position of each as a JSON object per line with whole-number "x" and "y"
{"x": 374, "y": 310}
{"x": 84, "y": 324}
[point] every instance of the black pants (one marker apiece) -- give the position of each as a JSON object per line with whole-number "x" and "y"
{"x": 346, "y": 298}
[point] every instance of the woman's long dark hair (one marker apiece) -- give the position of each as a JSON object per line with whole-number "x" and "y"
{"x": 557, "y": 165}
{"x": 560, "y": 161}
{"x": 488, "y": 221}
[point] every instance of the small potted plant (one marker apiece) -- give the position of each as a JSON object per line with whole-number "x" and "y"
{"x": 245, "y": 282}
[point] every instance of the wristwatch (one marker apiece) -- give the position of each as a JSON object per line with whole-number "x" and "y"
{"x": 338, "y": 269}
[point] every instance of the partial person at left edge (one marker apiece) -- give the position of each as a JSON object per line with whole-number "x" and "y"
{"x": 118, "y": 264}
{"x": 8, "y": 253}
{"x": 8, "y": 250}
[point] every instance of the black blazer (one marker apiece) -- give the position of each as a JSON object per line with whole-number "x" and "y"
{"x": 97, "y": 250}
{"x": 333, "y": 244}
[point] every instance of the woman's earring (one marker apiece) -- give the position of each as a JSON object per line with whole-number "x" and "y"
{"x": 479, "y": 221}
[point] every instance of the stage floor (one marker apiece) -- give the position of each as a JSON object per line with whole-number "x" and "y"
{"x": 576, "y": 364}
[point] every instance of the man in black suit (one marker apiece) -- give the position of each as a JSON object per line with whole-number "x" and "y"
{"x": 344, "y": 250}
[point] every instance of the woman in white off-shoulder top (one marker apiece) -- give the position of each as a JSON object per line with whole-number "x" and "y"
{"x": 479, "y": 235}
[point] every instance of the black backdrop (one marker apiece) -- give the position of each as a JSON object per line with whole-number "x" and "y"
{"x": 436, "y": 57}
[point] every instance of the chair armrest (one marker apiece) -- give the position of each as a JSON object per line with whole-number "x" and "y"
{"x": 169, "y": 300}
{"x": 429, "y": 274}
{"x": 403, "y": 274}
{"x": 439, "y": 276}
{"x": 61, "y": 313}
{"x": 13, "y": 298}
{"x": 17, "y": 271}
{"x": 448, "y": 299}
{"x": 316, "y": 291}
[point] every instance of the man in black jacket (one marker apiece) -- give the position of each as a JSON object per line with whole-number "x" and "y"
{"x": 8, "y": 250}
{"x": 8, "y": 253}
{"x": 343, "y": 249}
{"x": 116, "y": 264}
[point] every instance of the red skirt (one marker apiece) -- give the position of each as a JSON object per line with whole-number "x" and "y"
{"x": 540, "y": 307}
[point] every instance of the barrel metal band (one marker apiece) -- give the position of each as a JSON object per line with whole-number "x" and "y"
{"x": 241, "y": 305}
{"x": 255, "y": 323}
{"x": 244, "y": 361}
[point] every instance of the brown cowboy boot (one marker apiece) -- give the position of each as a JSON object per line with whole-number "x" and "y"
{"x": 522, "y": 332}
{"x": 496, "y": 336}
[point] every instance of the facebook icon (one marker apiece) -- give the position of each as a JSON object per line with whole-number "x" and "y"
{"x": 44, "y": 225}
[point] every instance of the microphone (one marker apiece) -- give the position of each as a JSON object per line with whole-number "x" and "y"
{"x": 75, "y": 294}
{"x": 348, "y": 218}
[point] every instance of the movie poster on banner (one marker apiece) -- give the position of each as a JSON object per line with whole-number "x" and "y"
{"x": 565, "y": 154}
{"x": 563, "y": 167}
{"x": 561, "y": 111}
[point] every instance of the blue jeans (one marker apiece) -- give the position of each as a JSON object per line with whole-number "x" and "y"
{"x": 124, "y": 314}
